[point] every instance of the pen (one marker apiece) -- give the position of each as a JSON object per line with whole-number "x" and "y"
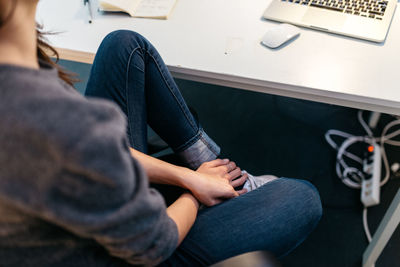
{"x": 89, "y": 10}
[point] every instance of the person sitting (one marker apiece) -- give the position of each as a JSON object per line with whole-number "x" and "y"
{"x": 74, "y": 173}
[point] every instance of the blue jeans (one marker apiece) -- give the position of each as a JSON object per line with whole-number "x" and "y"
{"x": 129, "y": 71}
{"x": 276, "y": 217}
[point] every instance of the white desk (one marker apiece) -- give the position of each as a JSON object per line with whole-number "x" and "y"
{"x": 218, "y": 42}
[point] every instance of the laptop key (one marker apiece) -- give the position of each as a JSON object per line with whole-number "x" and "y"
{"x": 376, "y": 13}
{"x": 327, "y": 7}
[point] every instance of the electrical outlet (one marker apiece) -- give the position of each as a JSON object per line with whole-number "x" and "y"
{"x": 370, "y": 187}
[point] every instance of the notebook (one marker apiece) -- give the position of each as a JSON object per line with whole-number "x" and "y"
{"x": 156, "y": 9}
{"x": 365, "y": 19}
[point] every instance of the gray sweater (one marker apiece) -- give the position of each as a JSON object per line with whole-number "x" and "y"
{"x": 70, "y": 193}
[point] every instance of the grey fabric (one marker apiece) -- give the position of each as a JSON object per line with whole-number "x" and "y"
{"x": 67, "y": 178}
{"x": 254, "y": 182}
{"x": 204, "y": 149}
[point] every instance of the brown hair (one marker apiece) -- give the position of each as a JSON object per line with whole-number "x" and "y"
{"x": 43, "y": 48}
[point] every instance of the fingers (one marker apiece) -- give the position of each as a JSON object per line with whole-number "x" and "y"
{"x": 242, "y": 191}
{"x": 222, "y": 167}
{"x": 240, "y": 181}
{"x": 215, "y": 202}
{"x": 217, "y": 162}
{"x": 231, "y": 166}
{"x": 227, "y": 195}
{"x": 230, "y": 193}
{"x": 234, "y": 174}
{"x": 226, "y": 168}
{"x": 234, "y": 194}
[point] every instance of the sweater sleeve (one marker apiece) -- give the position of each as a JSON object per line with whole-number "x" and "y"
{"x": 70, "y": 165}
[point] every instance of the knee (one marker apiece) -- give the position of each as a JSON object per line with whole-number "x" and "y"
{"x": 125, "y": 37}
{"x": 300, "y": 203}
{"x": 123, "y": 40}
{"x": 300, "y": 210}
{"x": 307, "y": 200}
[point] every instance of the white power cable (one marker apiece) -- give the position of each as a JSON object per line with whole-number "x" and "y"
{"x": 351, "y": 176}
{"x": 365, "y": 223}
{"x": 364, "y": 124}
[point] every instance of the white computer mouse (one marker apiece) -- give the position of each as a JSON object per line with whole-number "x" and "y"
{"x": 280, "y": 34}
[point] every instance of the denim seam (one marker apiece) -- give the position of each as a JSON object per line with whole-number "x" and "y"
{"x": 190, "y": 142}
{"x": 194, "y": 139}
{"x": 207, "y": 144}
{"x": 127, "y": 94}
{"x": 170, "y": 90}
{"x": 199, "y": 135}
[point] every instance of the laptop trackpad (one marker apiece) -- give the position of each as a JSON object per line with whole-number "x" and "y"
{"x": 324, "y": 19}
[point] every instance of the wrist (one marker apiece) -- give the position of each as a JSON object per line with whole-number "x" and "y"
{"x": 192, "y": 199}
{"x": 187, "y": 178}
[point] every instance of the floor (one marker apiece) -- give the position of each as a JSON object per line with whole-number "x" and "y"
{"x": 285, "y": 137}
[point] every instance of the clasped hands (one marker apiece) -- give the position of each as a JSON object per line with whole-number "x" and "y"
{"x": 216, "y": 181}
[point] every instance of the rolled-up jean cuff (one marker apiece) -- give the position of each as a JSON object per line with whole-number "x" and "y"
{"x": 199, "y": 149}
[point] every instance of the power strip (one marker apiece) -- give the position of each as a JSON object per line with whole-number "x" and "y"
{"x": 371, "y": 185}
{"x": 369, "y": 178}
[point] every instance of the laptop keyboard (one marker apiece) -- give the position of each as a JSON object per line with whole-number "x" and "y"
{"x": 374, "y": 9}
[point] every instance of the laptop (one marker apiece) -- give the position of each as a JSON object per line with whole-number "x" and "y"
{"x": 363, "y": 19}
